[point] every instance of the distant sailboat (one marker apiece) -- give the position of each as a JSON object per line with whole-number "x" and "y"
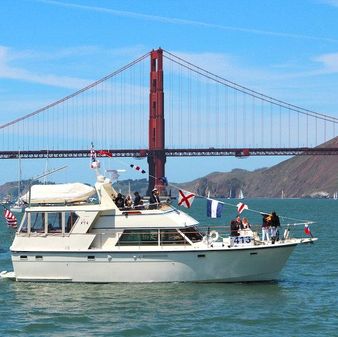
{"x": 240, "y": 195}
{"x": 18, "y": 206}
{"x": 283, "y": 196}
{"x": 335, "y": 196}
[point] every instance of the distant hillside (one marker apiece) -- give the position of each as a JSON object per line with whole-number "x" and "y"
{"x": 140, "y": 185}
{"x": 300, "y": 176}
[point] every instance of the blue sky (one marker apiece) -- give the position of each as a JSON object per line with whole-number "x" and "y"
{"x": 48, "y": 49}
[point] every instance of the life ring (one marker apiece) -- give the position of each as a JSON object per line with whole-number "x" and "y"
{"x": 213, "y": 235}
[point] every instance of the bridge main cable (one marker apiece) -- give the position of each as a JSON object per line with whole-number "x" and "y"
{"x": 76, "y": 93}
{"x": 246, "y": 90}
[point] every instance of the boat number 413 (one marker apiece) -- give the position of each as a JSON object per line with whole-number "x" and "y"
{"x": 242, "y": 239}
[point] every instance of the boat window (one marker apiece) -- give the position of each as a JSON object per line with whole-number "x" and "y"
{"x": 138, "y": 237}
{"x": 172, "y": 237}
{"x": 54, "y": 222}
{"x": 71, "y": 218}
{"x": 192, "y": 233}
{"x": 38, "y": 222}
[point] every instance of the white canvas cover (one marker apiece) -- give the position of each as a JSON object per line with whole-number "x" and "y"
{"x": 59, "y": 193}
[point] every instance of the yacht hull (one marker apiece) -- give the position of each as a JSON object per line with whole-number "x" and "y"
{"x": 261, "y": 263}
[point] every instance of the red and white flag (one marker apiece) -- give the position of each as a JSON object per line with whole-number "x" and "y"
{"x": 185, "y": 198}
{"x": 307, "y": 230}
{"x": 10, "y": 218}
{"x": 105, "y": 153}
{"x": 241, "y": 207}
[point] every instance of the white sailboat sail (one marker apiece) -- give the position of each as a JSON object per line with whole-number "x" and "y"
{"x": 18, "y": 206}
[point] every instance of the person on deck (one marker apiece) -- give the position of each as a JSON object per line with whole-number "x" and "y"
{"x": 265, "y": 227}
{"x": 128, "y": 202}
{"x": 119, "y": 201}
{"x": 137, "y": 200}
{"x": 239, "y": 221}
{"x": 154, "y": 199}
{"x": 274, "y": 227}
{"x": 234, "y": 228}
{"x": 245, "y": 224}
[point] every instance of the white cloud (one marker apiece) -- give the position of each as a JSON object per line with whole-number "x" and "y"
{"x": 179, "y": 21}
{"x": 329, "y": 62}
{"x": 8, "y": 71}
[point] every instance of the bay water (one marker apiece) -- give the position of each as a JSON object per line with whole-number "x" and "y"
{"x": 302, "y": 302}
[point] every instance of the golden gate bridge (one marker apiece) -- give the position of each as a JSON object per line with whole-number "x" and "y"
{"x": 179, "y": 110}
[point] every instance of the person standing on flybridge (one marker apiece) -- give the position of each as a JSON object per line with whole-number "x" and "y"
{"x": 154, "y": 199}
{"x": 265, "y": 228}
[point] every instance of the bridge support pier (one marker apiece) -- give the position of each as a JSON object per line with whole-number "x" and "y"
{"x": 156, "y": 157}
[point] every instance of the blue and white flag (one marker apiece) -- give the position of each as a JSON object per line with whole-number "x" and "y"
{"x": 214, "y": 208}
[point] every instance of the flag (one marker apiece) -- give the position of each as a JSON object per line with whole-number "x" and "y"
{"x": 94, "y": 163}
{"x": 105, "y": 153}
{"x": 185, "y": 198}
{"x": 137, "y": 168}
{"x": 307, "y": 230}
{"x": 214, "y": 208}
{"x": 241, "y": 207}
{"x": 10, "y": 218}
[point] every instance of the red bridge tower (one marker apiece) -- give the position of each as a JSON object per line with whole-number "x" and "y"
{"x": 156, "y": 157}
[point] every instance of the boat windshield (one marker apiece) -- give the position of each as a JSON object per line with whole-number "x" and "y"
{"x": 139, "y": 237}
{"x": 192, "y": 233}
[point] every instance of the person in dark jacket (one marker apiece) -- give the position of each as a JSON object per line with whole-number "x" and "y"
{"x": 154, "y": 199}
{"x": 137, "y": 200}
{"x": 274, "y": 227}
{"x": 119, "y": 201}
{"x": 234, "y": 227}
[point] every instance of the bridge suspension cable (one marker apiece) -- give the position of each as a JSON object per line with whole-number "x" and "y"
{"x": 211, "y": 111}
{"x": 184, "y": 63}
{"x": 76, "y": 93}
{"x": 202, "y": 111}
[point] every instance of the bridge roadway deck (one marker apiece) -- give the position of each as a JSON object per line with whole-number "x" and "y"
{"x": 141, "y": 153}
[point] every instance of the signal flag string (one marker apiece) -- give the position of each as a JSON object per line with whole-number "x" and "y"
{"x": 240, "y": 206}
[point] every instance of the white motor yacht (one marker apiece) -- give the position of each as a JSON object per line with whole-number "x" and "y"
{"x": 65, "y": 238}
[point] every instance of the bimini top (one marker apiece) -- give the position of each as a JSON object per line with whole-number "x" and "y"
{"x": 58, "y": 193}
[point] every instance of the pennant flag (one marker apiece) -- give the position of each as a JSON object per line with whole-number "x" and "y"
{"x": 105, "y": 153}
{"x": 241, "y": 207}
{"x": 185, "y": 198}
{"x": 10, "y": 218}
{"x": 307, "y": 230}
{"x": 137, "y": 168}
{"x": 164, "y": 181}
{"x": 214, "y": 208}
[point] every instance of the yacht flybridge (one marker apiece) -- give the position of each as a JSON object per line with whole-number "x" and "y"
{"x": 65, "y": 238}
